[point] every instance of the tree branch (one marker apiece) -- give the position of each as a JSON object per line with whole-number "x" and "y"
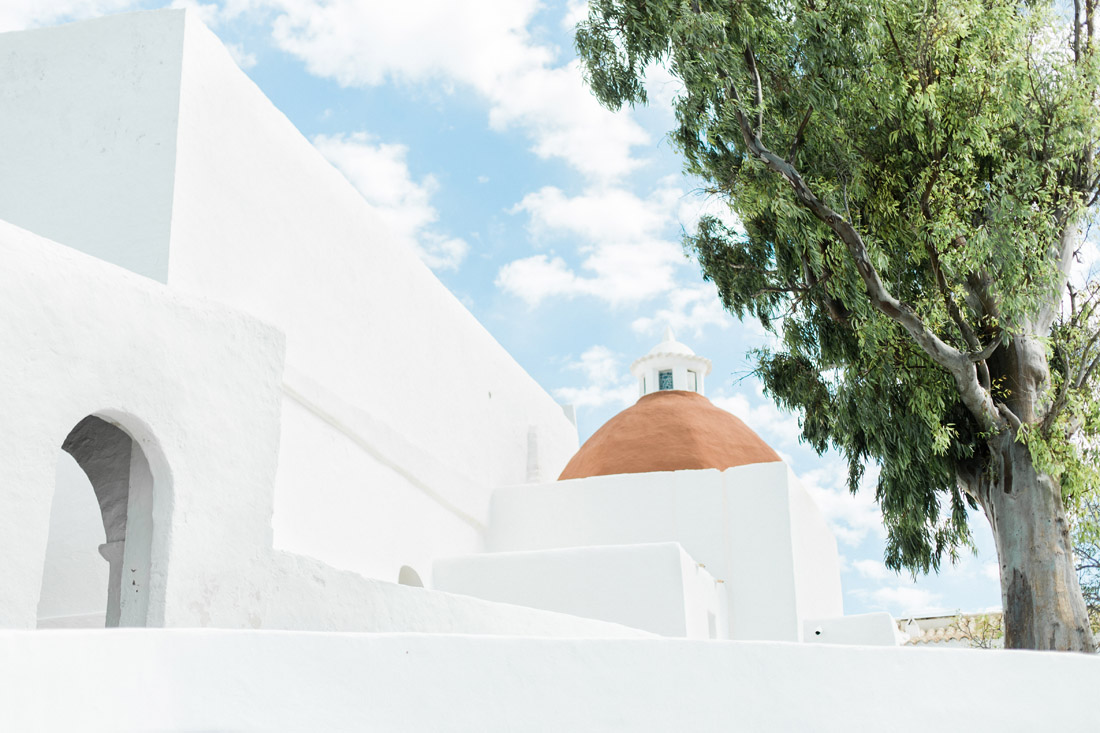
{"x": 1086, "y": 374}
{"x": 973, "y": 344}
{"x": 1076, "y": 31}
{"x": 797, "y": 142}
{"x": 981, "y": 297}
{"x": 1071, "y": 381}
{"x": 901, "y": 56}
{"x": 834, "y": 309}
{"x": 979, "y": 357}
{"x": 758, "y": 89}
{"x": 1062, "y": 253}
{"x": 957, "y": 363}
{"x": 1009, "y": 416}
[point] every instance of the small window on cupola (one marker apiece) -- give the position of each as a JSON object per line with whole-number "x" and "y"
{"x": 664, "y": 380}
{"x": 693, "y": 381}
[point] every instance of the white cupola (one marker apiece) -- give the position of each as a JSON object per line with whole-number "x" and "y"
{"x": 670, "y": 365}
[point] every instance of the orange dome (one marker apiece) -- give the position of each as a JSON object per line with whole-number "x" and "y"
{"x": 671, "y": 430}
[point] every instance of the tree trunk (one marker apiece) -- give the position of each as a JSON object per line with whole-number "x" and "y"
{"x": 1043, "y": 607}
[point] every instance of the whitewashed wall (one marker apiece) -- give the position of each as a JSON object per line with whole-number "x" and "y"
{"x": 146, "y": 146}
{"x": 360, "y": 497}
{"x": 209, "y": 680}
{"x": 262, "y": 221}
{"x": 815, "y": 557}
{"x": 655, "y": 587}
{"x": 88, "y": 135}
{"x": 740, "y": 523}
{"x": 862, "y": 628}
{"x": 197, "y": 386}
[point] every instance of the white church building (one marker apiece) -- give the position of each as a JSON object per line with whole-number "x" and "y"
{"x": 211, "y": 448}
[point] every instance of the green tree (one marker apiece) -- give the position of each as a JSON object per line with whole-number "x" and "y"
{"x": 913, "y": 179}
{"x": 1086, "y": 548}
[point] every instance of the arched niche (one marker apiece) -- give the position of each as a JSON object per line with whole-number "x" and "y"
{"x": 121, "y": 478}
{"x": 407, "y": 576}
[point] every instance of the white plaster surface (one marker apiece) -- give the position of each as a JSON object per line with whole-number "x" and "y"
{"x": 194, "y": 384}
{"x": 815, "y": 557}
{"x": 296, "y": 592}
{"x": 876, "y": 629}
{"x": 198, "y": 387}
{"x": 389, "y": 366}
{"x": 88, "y": 135}
{"x": 135, "y": 680}
{"x": 739, "y": 523}
{"x": 356, "y": 494}
{"x": 400, "y": 409}
{"x": 655, "y": 587}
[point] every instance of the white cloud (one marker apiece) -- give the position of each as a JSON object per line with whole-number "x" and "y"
{"x": 440, "y": 252}
{"x": 601, "y": 214}
{"x": 381, "y": 173}
{"x": 214, "y": 14}
{"x": 698, "y": 204}
{"x": 555, "y": 108}
{"x": 575, "y": 12}
{"x": 874, "y": 570}
{"x": 691, "y": 308}
{"x": 622, "y": 239}
{"x": 616, "y": 273}
{"x": 662, "y": 87}
{"x": 366, "y": 43}
{"x": 906, "y": 600}
{"x": 484, "y": 47}
{"x": 244, "y": 59}
{"x": 762, "y": 415}
{"x": 629, "y": 251}
{"x": 599, "y": 365}
{"x": 20, "y": 14}
{"x": 852, "y": 517}
{"x": 538, "y": 277}
{"x": 208, "y": 13}
{"x": 608, "y": 381}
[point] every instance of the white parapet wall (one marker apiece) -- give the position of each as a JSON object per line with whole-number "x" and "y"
{"x": 137, "y": 139}
{"x": 131, "y": 680}
{"x": 293, "y": 592}
{"x": 656, "y": 587}
{"x": 875, "y": 629}
{"x": 753, "y": 527}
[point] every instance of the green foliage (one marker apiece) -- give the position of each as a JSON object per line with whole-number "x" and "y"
{"x": 957, "y": 137}
{"x": 1086, "y": 548}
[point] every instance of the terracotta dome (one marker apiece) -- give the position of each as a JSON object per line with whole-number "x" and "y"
{"x": 671, "y": 430}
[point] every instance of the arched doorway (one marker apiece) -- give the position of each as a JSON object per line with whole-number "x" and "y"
{"x": 121, "y": 480}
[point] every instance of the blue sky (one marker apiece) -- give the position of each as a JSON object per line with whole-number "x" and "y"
{"x": 466, "y": 124}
